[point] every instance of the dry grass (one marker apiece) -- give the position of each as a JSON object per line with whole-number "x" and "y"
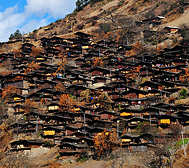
{"x": 5, "y": 139}
{"x": 180, "y": 160}
{"x": 182, "y": 102}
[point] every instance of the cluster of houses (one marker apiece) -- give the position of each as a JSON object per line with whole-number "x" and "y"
{"x": 134, "y": 87}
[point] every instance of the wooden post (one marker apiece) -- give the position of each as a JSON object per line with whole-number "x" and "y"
{"x": 183, "y": 144}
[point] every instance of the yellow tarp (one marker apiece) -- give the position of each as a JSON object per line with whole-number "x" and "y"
{"x": 125, "y": 114}
{"x": 165, "y": 121}
{"x": 40, "y": 58}
{"x": 141, "y": 95}
{"x": 126, "y": 140}
{"x": 48, "y": 132}
{"x": 85, "y": 47}
{"x": 17, "y": 98}
{"x": 77, "y": 109}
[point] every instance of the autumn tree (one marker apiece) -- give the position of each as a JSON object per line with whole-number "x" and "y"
{"x": 97, "y": 61}
{"x": 17, "y": 53}
{"x": 105, "y": 101}
{"x": 66, "y": 103}
{"x": 124, "y": 131}
{"x": 43, "y": 102}
{"x": 106, "y": 142}
{"x": 184, "y": 78}
{"x": 8, "y": 91}
{"x": 32, "y": 67}
{"x": 110, "y": 36}
{"x": 59, "y": 87}
{"x": 160, "y": 48}
{"x": 7, "y": 95}
{"x": 30, "y": 106}
{"x": 62, "y": 65}
{"x": 137, "y": 49}
{"x": 62, "y": 54}
{"x": 36, "y": 51}
{"x": 86, "y": 93}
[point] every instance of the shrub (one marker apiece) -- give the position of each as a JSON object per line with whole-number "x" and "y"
{"x": 180, "y": 143}
{"x": 145, "y": 127}
{"x": 48, "y": 143}
{"x": 91, "y": 4}
{"x": 183, "y": 93}
{"x": 106, "y": 27}
{"x": 121, "y": 3}
{"x": 58, "y": 156}
{"x": 81, "y": 159}
{"x": 35, "y": 31}
{"x": 165, "y": 12}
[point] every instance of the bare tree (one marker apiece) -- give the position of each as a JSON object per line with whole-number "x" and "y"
{"x": 184, "y": 32}
{"x": 181, "y": 5}
{"x": 127, "y": 25}
{"x": 176, "y": 129}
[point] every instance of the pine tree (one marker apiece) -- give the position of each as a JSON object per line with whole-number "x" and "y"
{"x": 11, "y": 37}
{"x": 78, "y": 4}
{"x": 17, "y": 34}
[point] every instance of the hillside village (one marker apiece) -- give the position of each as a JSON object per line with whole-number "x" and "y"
{"x": 70, "y": 93}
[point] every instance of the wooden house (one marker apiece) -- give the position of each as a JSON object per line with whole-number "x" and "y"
{"x": 21, "y": 145}
{"x": 171, "y": 29}
{"x": 70, "y": 148}
{"x": 100, "y": 123}
{"x": 99, "y": 71}
{"x": 166, "y": 120}
{"x": 135, "y": 121}
{"x": 149, "y": 85}
{"x": 107, "y": 115}
{"x": 129, "y": 139}
{"x": 53, "y": 107}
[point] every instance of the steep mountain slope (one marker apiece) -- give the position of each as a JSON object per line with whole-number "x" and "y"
{"x": 107, "y": 18}
{"x": 89, "y": 19}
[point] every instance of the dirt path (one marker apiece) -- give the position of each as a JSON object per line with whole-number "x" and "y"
{"x": 124, "y": 161}
{"x": 105, "y": 7}
{"x": 85, "y": 30}
{"x": 87, "y": 164}
{"x": 184, "y": 19}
